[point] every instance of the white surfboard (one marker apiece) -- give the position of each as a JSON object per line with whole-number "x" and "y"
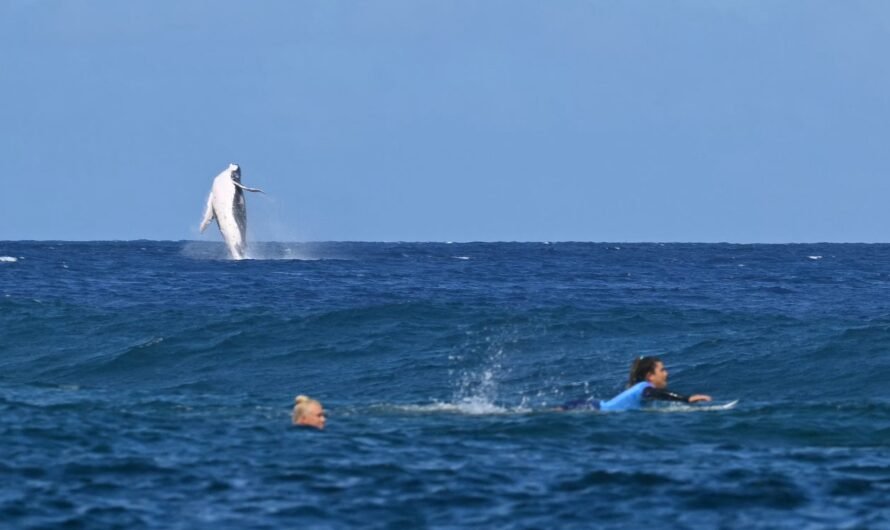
{"x": 693, "y": 407}
{"x": 716, "y": 406}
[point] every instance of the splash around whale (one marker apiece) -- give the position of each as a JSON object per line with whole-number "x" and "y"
{"x": 226, "y": 204}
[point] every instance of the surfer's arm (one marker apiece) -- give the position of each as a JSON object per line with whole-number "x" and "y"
{"x": 663, "y": 394}
{"x": 208, "y": 213}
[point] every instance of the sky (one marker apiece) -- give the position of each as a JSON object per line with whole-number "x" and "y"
{"x": 744, "y": 121}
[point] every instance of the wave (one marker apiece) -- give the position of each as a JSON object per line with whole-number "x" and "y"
{"x": 8, "y": 259}
{"x": 470, "y": 356}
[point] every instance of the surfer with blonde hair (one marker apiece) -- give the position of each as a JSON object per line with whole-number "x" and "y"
{"x": 308, "y": 412}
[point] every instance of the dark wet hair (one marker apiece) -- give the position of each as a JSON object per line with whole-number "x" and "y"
{"x": 641, "y": 367}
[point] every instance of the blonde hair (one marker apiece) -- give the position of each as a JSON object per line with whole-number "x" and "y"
{"x": 301, "y": 403}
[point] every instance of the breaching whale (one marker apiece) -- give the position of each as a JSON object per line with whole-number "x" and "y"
{"x": 226, "y": 203}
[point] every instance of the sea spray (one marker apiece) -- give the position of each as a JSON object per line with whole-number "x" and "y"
{"x": 480, "y": 365}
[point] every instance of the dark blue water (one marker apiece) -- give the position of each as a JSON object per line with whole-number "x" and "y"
{"x": 149, "y": 385}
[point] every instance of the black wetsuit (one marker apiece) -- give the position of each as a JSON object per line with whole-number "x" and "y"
{"x": 663, "y": 394}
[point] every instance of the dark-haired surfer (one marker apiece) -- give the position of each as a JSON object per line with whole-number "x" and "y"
{"x": 647, "y": 382}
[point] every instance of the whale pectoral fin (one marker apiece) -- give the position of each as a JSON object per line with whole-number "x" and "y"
{"x": 245, "y": 188}
{"x": 208, "y": 213}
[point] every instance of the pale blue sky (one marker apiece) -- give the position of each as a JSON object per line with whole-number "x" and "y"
{"x": 730, "y": 120}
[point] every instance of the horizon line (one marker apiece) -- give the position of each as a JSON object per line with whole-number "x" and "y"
{"x": 453, "y": 242}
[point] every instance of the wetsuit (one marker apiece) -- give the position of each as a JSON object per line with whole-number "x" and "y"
{"x": 632, "y": 398}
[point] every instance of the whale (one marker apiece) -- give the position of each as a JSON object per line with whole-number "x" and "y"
{"x": 227, "y": 205}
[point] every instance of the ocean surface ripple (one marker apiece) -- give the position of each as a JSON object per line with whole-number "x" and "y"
{"x": 148, "y": 385}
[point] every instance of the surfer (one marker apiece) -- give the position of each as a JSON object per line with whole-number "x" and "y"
{"x": 647, "y": 382}
{"x": 308, "y": 412}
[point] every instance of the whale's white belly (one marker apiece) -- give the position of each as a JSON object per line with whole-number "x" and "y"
{"x": 229, "y": 209}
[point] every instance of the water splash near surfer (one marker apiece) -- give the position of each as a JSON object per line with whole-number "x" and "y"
{"x": 226, "y": 203}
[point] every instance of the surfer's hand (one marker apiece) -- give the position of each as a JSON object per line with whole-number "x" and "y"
{"x": 699, "y": 397}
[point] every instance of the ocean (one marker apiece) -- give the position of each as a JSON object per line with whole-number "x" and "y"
{"x": 149, "y": 384}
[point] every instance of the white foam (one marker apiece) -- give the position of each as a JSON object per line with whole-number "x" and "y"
{"x": 461, "y": 257}
{"x": 814, "y": 257}
{"x": 257, "y": 252}
{"x": 283, "y": 252}
{"x": 7, "y": 259}
{"x": 468, "y": 406}
{"x": 151, "y": 342}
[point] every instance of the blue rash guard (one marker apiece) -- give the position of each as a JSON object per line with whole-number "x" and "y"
{"x": 631, "y": 399}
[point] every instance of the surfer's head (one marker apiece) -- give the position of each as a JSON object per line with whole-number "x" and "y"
{"x": 308, "y": 412}
{"x": 649, "y": 369}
